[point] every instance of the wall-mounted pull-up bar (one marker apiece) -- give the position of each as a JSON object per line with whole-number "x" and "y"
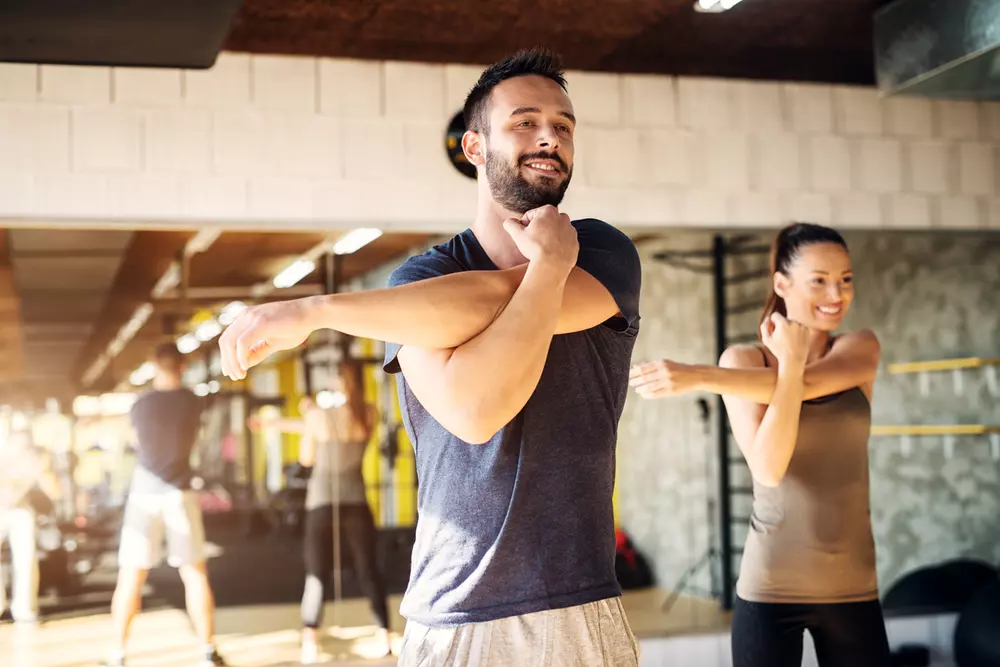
{"x": 957, "y": 368}
{"x": 943, "y": 365}
{"x": 947, "y": 431}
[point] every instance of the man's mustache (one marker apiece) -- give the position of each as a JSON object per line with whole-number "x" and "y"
{"x": 544, "y": 156}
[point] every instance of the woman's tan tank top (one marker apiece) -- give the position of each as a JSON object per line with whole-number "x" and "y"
{"x": 336, "y": 477}
{"x": 810, "y": 537}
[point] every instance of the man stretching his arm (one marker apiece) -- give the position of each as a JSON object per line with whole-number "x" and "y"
{"x": 514, "y": 340}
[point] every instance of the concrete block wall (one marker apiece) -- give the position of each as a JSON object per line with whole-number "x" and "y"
{"x": 309, "y": 143}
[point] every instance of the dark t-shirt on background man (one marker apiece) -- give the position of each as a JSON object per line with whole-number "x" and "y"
{"x": 166, "y": 424}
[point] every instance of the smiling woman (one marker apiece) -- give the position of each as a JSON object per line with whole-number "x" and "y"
{"x": 799, "y": 407}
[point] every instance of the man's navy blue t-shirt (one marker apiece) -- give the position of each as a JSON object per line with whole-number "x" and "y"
{"x": 524, "y": 522}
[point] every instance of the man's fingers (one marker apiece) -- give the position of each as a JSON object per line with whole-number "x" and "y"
{"x": 534, "y": 213}
{"x": 227, "y": 345}
{"x": 251, "y": 337}
{"x": 513, "y": 227}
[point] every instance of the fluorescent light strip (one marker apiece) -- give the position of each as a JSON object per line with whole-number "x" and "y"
{"x": 230, "y": 312}
{"x": 207, "y": 330}
{"x": 95, "y": 370}
{"x": 355, "y": 240}
{"x": 143, "y": 374}
{"x": 187, "y": 344}
{"x": 202, "y": 241}
{"x": 293, "y": 273}
{"x": 170, "y": 279}
{"x": 715, "y": 6}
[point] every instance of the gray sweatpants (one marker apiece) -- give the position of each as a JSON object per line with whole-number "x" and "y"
{"x": 590, "y": 635}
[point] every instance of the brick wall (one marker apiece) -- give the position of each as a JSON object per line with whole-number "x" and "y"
{"x": 306, "y": 143}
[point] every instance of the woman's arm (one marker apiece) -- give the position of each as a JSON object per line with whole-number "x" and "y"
{"x": 765, "y": 434}
{"x": 852, "y": 362}
{"x": 308, "y": 441}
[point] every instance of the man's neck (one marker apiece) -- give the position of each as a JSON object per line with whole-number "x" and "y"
{"x": 489, "y": 231}
{"x": 165, "y": 382}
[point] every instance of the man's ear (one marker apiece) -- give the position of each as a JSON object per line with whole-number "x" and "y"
{"x": 472, "y": 146}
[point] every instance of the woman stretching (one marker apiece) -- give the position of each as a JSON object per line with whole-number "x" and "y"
{"x": 330, "y": 454}
{"x": 799, "y": 407}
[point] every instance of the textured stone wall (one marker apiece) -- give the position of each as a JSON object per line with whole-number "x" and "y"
{"x": 931, "y": 296}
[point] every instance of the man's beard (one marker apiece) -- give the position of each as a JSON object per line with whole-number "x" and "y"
{"x": 512, "y": 191}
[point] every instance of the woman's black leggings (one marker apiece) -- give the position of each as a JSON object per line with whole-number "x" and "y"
{"x": 358, "y": 535}
{"x": 850, "y": 634}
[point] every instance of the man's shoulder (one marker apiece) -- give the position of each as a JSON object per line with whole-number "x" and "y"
{"x": 597, "y": 229}
{"x": 439, "y": 260}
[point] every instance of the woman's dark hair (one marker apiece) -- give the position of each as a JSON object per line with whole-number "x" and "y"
{"x": 353, "y": 377}
{"x": 785, "y": 250}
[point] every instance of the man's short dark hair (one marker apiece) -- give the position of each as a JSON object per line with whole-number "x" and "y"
{"x": 537, "y": 62}
{"x": 168, "y": 356}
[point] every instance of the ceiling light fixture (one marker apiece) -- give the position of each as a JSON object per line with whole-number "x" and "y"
{"x": 230, "y": 312}
{"x": 95, "y": 370}
{"x": 207, "y": 330}
{"x": 293, "y": 273}
{"x": 143, "y": 374}
{"x": 715, "y": 6}
{"x": 170, "y": 279}
{"x": 354, "y": 240}
{"x": 187, "y": 344}
{"x": 201, "y": 241}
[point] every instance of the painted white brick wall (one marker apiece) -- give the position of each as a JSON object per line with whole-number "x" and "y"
{"x": 107, "y": 140}
{"x": 227, "y": 85}
{"x": 146, "y": 86}
{"x": 362, "y": 142}
{"x": 18, "y": 82}
{"x": 414, "y": 91}
{"x": 74, "y": 85}
{"x": 283, "y": 83}
{"x": 178, "y": 141}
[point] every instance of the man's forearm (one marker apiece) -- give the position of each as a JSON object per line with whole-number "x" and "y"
{"x": 441, "y": 313}
{"x": 437, "y": 313}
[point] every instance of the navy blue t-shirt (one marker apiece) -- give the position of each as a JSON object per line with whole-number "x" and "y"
{"x": 166, "y": 424}
{"x": 524, "y": 522}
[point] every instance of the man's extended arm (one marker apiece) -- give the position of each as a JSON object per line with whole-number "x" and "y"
{"x": 446, "y": 311}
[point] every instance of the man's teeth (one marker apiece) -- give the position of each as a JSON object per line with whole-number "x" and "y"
{"x": 546, "y": 167}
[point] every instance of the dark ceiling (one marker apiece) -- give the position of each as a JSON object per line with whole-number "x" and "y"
{"x": 805, "y": 40}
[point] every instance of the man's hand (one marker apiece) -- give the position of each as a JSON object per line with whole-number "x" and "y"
{"x": 260, "y": 331}
{"x": 545, "y": 236}
{"x": 658, "y": 379}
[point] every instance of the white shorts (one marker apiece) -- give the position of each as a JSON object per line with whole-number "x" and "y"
{"x": 149, "y": 517}
{"x": 589, "y": 635}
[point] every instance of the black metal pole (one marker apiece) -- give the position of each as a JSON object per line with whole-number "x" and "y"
{"x": 725, "y": 498}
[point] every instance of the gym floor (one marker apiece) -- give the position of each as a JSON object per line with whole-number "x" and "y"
{"x": 257, "y": 583}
